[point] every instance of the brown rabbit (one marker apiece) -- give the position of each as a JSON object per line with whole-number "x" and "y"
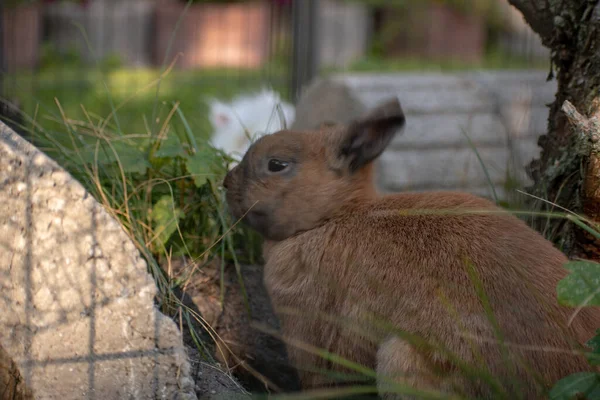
{"x": 417, "y": 286}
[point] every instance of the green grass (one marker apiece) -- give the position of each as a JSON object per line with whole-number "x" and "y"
{"x": 492, "y": 60}
{"x": 74, "y": 85}
{"x": 134, "y": 88}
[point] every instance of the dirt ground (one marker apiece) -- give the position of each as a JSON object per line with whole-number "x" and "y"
{"x": 12, "y": 386}
{"x": 259, "y": 362}
{"x": 256, "y": 360}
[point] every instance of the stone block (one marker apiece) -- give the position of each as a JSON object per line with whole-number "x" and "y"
{"x": 420, "y": 93}
{"x": 452, "y": 168}
{"x": 77, "y": 311}
{"x": 448, "y": 131}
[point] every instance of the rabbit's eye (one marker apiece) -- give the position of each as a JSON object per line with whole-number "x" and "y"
{"x": 277, "y": 165}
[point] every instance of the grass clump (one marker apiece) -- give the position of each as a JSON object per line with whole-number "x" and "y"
{"x": 160, "y": 179}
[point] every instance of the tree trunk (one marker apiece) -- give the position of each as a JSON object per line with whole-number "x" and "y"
{"x": 566, "y": 173}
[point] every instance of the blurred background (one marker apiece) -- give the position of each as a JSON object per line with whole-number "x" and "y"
{"x": 74, "y": 51}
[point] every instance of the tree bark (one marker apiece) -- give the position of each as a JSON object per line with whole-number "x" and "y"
{"x": 564, "y": 174}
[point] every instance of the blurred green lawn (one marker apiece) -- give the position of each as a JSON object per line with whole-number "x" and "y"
{"x": 135, "y": 92}
{"x": 138, "y": 100}
{"x": 493, "y": 60}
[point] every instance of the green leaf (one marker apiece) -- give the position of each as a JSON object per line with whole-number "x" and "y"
{"x": 594, "y": 344}
{"x": 170, "y": 148}
{"x": 581, "y": 286}
{"x": 188, "y": 131}
{"x": 165, "y": 217}
{"x": 132, "y": 159}
{"x": 206, "y": 163}
{"x": 579, "y": 386}
{"x": 198, "y": 168}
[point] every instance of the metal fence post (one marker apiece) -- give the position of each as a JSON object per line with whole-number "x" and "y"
{"x": 304, "y": 42}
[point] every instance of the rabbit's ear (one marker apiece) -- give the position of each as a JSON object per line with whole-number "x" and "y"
{"x": 368, "y": 137}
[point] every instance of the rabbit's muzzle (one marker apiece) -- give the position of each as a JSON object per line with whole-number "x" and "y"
{"x": 233, "y": 195}
{"x": 258, "y": 218}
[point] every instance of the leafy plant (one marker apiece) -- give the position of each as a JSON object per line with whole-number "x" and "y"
{"x": 579, "y": 386}
{"x": 581, "y": 288}
{"x": 163, "y": 185}
{"x": 169, "y": 180}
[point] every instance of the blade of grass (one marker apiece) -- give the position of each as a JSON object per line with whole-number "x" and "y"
{"x": 103, "y": 80}
{"x": 167, "y": 54}
{"x": 485, "y": 171}
{"x": 394, "y": 387}
{"x": 190, "y": 136}
{"x": 229, "y": 245}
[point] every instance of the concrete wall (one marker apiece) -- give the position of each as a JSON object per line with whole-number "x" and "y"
{"x": 503, "y": 113}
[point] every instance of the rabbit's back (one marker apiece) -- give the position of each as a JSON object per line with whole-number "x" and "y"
{"x": 422, "y": 263}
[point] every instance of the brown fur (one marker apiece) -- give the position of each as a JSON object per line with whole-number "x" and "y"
{"x": 334, "y": 246}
